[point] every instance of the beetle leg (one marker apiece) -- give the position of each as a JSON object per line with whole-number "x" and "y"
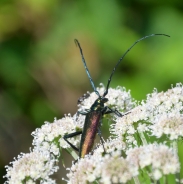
{"x": 70, "y": 136}
{"x": 101, "y": 139}
{"x": 126, "y": 113}
{"x": 84, "y": 112}
{"x": 117, "y": 113}
{"x": 108, "y": 110}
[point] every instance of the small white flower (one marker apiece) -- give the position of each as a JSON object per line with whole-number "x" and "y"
{"x": 54, "y": 149}
{"x": 157, "y": 174}
{"x": 142, "y": 127}
{"x": 131, "y": 130}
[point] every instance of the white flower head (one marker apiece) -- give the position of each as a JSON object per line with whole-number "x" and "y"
{"x": 166, "y": 113}
{"x": 30, "y": 167}
{"x": 162, "y": 159}
{"x": 110, "y": 145}
{"x": 118, "y": 98}
{"x": 108, "y": 169}
{"x": 161, "y": 114}
{"x": 49, "y": 133}
{"x": 135, "y": 115}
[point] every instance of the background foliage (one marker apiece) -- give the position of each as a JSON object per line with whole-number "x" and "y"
{"x": 41, "y": 73}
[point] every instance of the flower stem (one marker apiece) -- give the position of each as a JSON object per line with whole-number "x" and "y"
{"x": 136, "y": 180}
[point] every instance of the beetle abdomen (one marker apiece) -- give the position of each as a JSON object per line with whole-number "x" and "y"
{"x": 90, "y": 130}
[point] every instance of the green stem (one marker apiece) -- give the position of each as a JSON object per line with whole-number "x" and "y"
{"x": 174, "y": 146}
{"x": 144, "y": 141}
{"x": 73, "y": 153}
{"x": 136, "y": 180}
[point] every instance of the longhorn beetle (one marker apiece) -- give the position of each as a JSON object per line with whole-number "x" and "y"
{"x": 98, "y": 109}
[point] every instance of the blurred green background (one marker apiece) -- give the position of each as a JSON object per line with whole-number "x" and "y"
{"x": 41, "y": 72}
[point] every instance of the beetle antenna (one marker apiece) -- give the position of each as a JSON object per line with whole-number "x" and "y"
{"x": 109, "y": 80}
{"x": 86, "y": 68}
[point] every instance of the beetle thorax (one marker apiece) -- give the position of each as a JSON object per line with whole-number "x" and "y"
{"x": 98, "y": 105}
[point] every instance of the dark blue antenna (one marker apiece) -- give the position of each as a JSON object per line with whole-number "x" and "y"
{"x": 87, "y": 71}
{"x": 109, "y": 80}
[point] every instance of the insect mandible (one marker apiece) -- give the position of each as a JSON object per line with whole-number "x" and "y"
{"x": 98, "y": 109}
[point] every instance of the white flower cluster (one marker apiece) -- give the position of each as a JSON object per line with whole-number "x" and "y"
{"x": 118, "y": 98}
{"x": 161, "y": 114}
{"x": 42, "y": 161}
{"x": 48, "y": 141}
{"x": 167, "y": 111}
{"x": 31, "y": 167}
{"x": 162, "y": 159}
{"x": 49, "y": 138}
{"x": 113, "y": 168}
{"x": 108, "y": 169}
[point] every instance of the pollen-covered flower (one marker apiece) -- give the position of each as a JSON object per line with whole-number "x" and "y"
{"x": 28, "y": 168}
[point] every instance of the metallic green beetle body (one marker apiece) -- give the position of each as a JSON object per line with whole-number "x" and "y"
{"x": 90, "y": 129}
{"x": 91, "y": 126}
